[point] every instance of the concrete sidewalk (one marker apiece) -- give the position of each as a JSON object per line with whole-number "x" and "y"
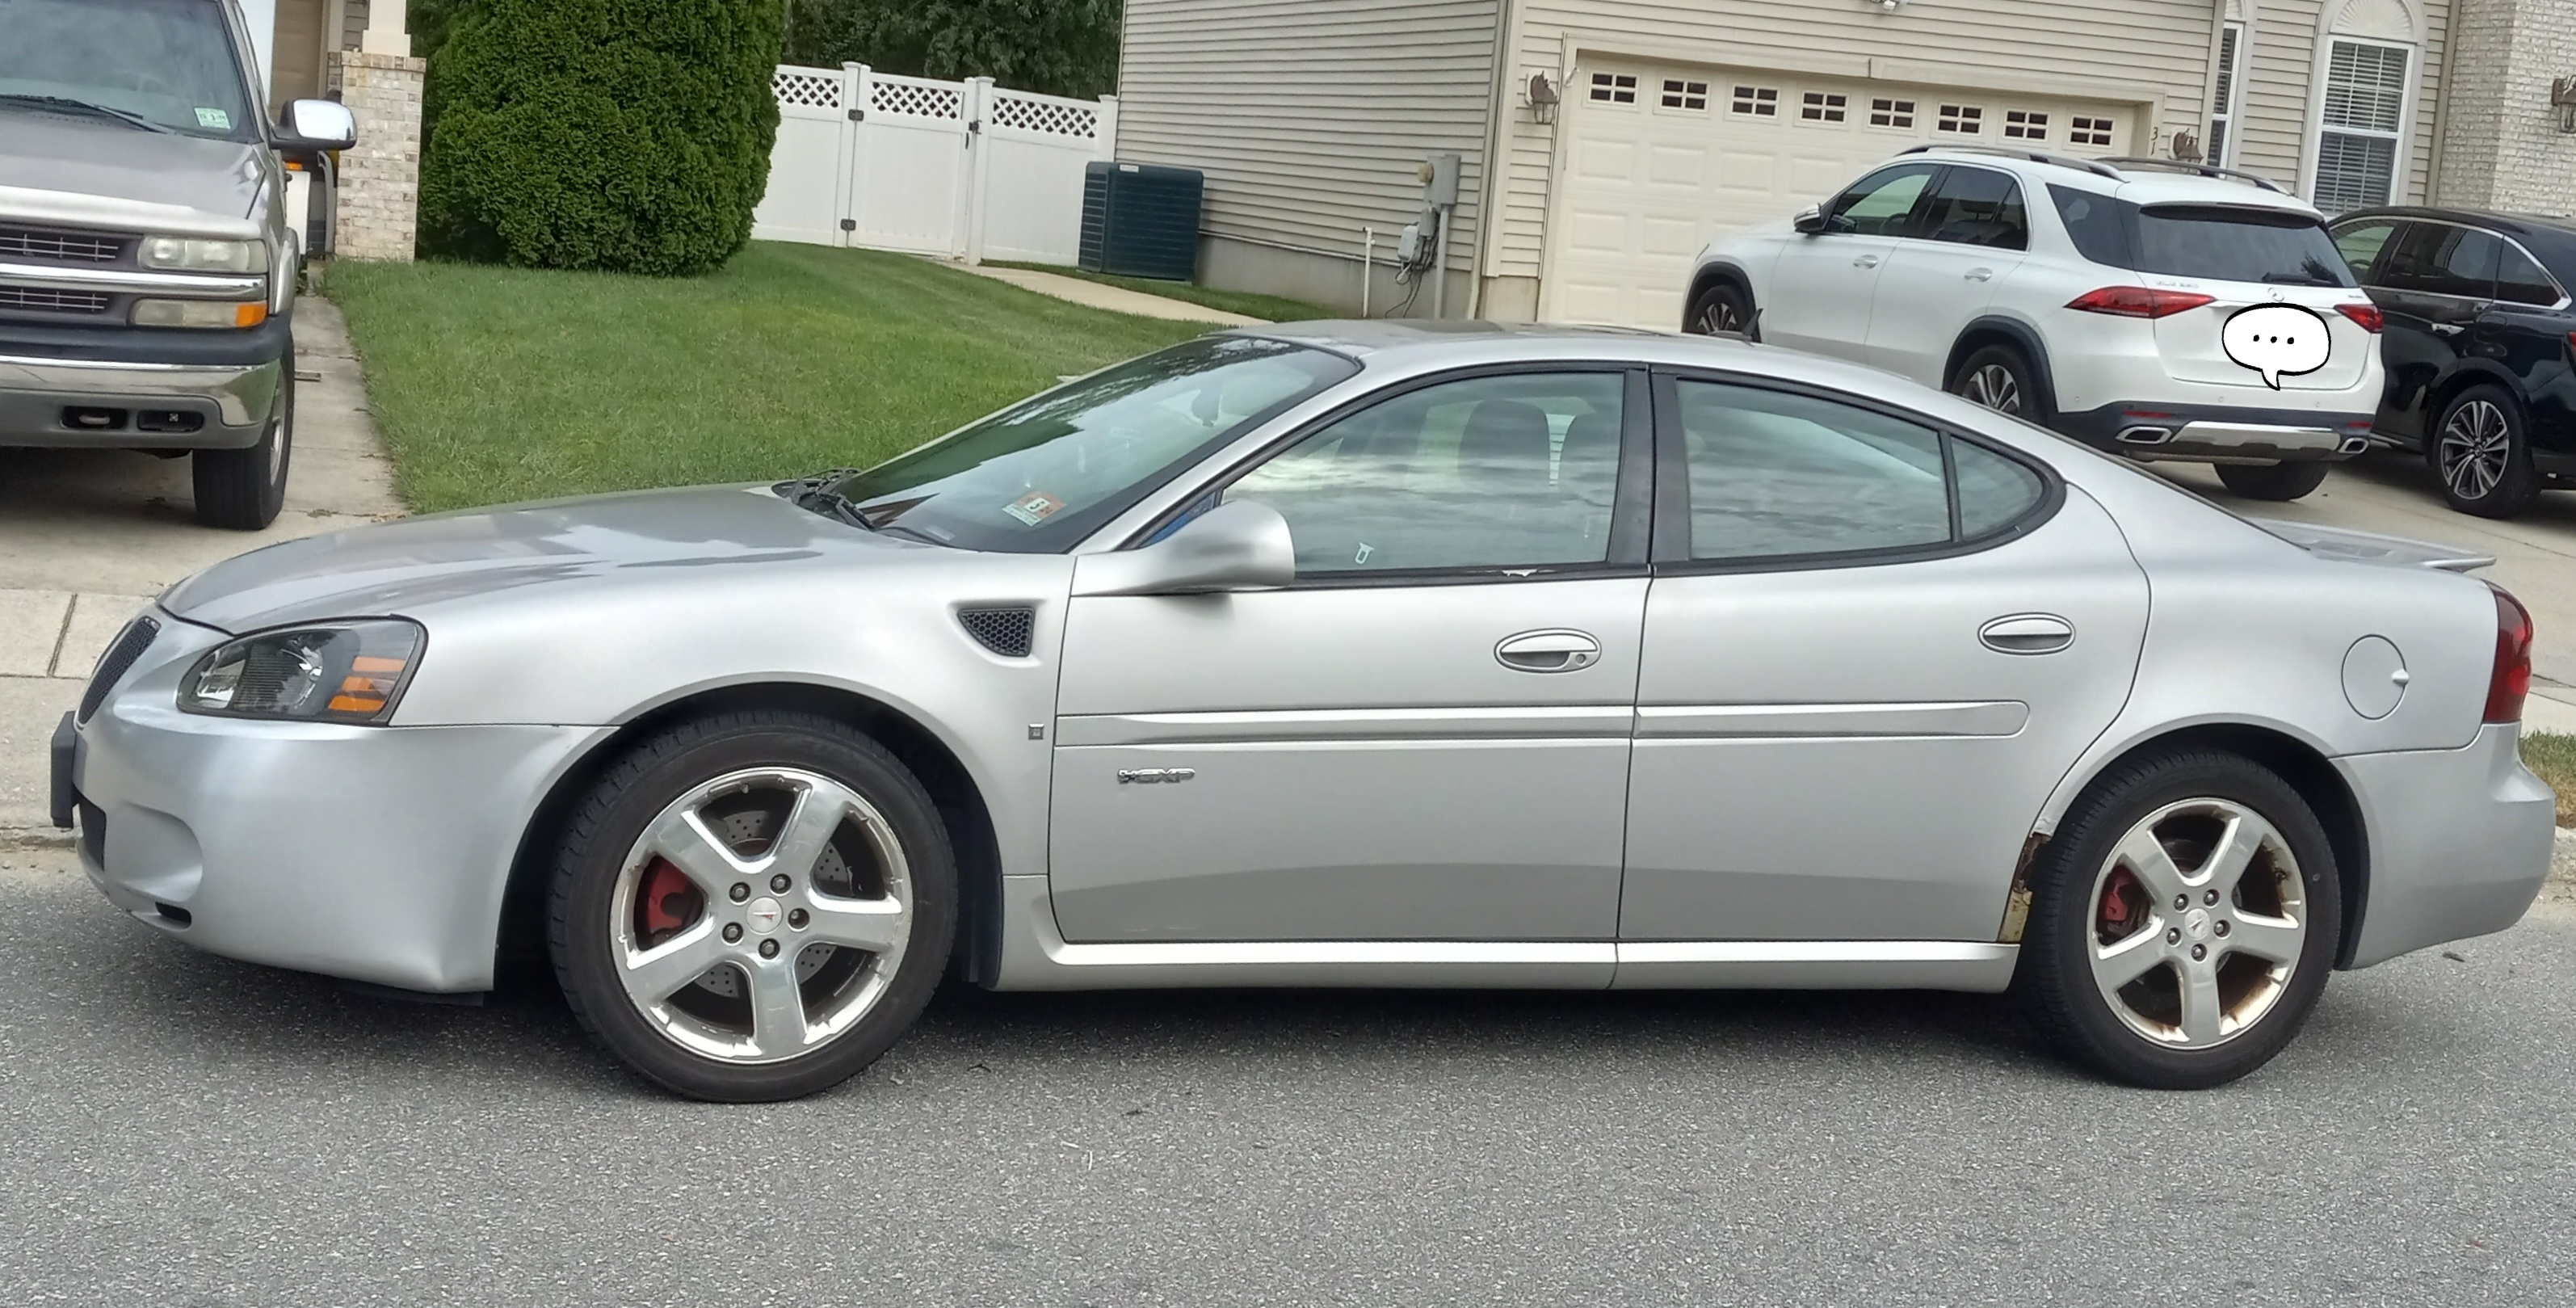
{"x": 1100, "y": 295}
{"x": 89, "y": 537}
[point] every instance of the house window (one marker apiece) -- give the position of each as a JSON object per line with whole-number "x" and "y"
{"x": 2081, "y": 130}
{"x": 1618, "y": 88}
{"x": 2023, "y": 125}
{"x": 1758, "y": 101}
{"x": 1823, "y": 107}
{"x": 2357, "y": 124}
{"x": 1891, "y": 113}
{"x": 1964, "y": 119}
{"x": 1679, "y": 94}
{"x": 2222, "y": 96}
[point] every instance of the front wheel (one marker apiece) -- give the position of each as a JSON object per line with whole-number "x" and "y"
{"x": 2272, "y": 481}
{"x": 2182, "y": 922}
{"x": 753, "y": 906}
{"x": 242, "y": 490}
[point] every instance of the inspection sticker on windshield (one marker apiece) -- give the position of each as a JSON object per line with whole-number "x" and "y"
{"x": 2276, "y": 340}
{"x": 1034, "y": 507}
{"x": 214, "y": 118}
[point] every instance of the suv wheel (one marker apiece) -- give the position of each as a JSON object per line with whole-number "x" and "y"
{"x": 2482, "y": 455}
{"x": 242, "y": 490}
{"x": 2000, "y": 378}
{"x": 2272, "y": 481}
{"x": 1721, "y": 310}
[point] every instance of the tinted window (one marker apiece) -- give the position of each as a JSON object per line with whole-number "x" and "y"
{"x": 2361, "y": 244}
{"x": 1993, "y": 491}
{"x": 1977, "y": 206}
{"x": 2095, "y": 223}
{"x": 1774, "y": 474}
{"x": 167, "y": 62}
{"x": 1491, "y": 472}
{"x": 2521, "y": 281}
{"x": 2238, "y": 244}
{"x": 1041, "y": 475}
{"x": 2440, "y": 259}
{"x": 1881, "y": 204}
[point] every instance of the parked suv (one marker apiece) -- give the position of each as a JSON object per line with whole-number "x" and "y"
{"x": 2480, "y": 332}
{"x": 147, "y": 264}
{"x": 2113, "y": 300}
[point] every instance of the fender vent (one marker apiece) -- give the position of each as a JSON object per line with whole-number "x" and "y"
{"x": 119, "y": 659}
{"x": 1006, "y": 632}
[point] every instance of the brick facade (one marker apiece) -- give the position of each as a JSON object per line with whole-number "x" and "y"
{"x": 2501, "y": 147}
{"x": 380, "y": 179}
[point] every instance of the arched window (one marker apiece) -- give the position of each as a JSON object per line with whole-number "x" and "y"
{"x": 2362, "y": 105}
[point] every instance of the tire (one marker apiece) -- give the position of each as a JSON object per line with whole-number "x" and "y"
{"x": 634, "y": 894}
{"x": 2001, "y": 378}
{"x": 1724, "y": 309}
{"x": 2272, "y": 481}
{"x": 2160, "y": 1030}
{"x": 2481, "y": 449}
{"x": 242, "y": 490}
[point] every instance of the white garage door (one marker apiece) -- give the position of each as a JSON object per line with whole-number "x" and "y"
{"x": 1660, "y": 158}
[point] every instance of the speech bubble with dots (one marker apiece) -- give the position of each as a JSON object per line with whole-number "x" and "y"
{"x": 2277, "y": 340}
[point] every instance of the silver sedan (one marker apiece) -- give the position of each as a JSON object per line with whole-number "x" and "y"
{"x": 1355, "y": 654}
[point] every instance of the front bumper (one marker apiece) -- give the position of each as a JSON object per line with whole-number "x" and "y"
{"x": 378, "y": 854}
{"x": 2209, "y": 433}
{"x": 2460, "y": 841}
{"x": 224, "y": 383}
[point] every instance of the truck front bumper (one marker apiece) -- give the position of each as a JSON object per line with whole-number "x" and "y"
{"x": 118, "y": 405}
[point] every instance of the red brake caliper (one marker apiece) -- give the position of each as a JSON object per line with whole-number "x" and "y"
{"x": 670, "y": 898}
{"x": 2115, "y": 903}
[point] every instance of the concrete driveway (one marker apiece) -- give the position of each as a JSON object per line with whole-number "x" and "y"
{"x": 86, "y": 538}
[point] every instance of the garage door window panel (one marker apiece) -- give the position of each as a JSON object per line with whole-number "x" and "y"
{"x": 1888, "y": 202}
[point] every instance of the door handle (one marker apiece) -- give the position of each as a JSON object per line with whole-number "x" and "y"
{"x": 1865, "y": 261}
{"x": 2027, "y": 633}
{"x": 1557, "y": 649}
{"x": 2448, "y": 329}
{"x": 1978, "y": 274}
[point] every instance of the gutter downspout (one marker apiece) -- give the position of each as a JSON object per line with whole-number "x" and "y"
{"x": 1490, "y": 167}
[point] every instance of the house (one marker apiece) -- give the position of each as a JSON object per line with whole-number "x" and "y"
{"x": 1602, "y": 142}
{"x": 360, "y": 53}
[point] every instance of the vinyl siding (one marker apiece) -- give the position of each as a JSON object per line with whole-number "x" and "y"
{"x": 2281, "y": 74}
{"x": 1309, "y": 118}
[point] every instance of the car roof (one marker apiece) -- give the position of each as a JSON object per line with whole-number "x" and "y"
{"x": 2148, "y": 181}
{"x": 1419, "y": 345}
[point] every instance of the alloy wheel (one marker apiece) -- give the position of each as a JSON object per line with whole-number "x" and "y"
{"x": 2475, "y": 448}
{"x": 1994, "y": 387}
{"x": 2197, "y": 921}
{"x": 761, "y": 914}
{"x": 1717, "y": 317}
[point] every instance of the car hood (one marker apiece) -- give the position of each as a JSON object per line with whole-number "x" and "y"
{"x": 108, "y": 161}
{"x": 532, "y": 552}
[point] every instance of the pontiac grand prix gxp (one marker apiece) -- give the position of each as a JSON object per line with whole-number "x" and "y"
{"x": 1346, "y": 654}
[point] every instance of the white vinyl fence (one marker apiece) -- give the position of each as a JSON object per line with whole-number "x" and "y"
{"x": 964, "y": 170}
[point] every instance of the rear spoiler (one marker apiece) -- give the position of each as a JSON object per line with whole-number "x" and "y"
{"x": 2371, "y": 547}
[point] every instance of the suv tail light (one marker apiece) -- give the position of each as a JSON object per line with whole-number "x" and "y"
{"x": 2510, "y": 682}
{"x": 2137, "y": 301}
{"x": 2365, "y": 314}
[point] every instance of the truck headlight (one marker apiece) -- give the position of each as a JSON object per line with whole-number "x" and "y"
{"x": 197, "y": 254}
{"x": 200, "y": 313}
{"x": 327, "y": 672}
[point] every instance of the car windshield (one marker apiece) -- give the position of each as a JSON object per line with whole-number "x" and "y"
{"x": 1042, "y": 475}
{"x": 156, "y": 65}
{"x": 2217, "y": 242}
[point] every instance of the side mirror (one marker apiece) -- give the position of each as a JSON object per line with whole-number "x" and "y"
{"x": 1238, "y": 546}
{"x": 1810, "y": 221}
{"x": 316, "y": 125}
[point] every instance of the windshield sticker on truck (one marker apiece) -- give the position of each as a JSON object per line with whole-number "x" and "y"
{"x": 1034, "y": 507}
{"x": 2276, "y": 340}
{"x": 214, "y": 118}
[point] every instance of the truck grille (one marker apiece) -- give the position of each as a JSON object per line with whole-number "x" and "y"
{"x": 50, "y": 300}
{"x": 63, "y": 247}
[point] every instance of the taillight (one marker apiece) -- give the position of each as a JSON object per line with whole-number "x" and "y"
{"x": 2510, "y": 682}
{"x": 2365, "y": 314}
{"x": 2137, "y": 301}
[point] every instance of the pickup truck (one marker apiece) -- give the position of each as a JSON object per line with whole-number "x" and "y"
{"x": 148, "y": 263}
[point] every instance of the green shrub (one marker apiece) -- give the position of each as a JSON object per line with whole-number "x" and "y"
{"x": 627, "y": 135}
{"x": 1058, "y": 47}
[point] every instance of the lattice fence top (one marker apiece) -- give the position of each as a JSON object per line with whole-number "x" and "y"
{"x": 807, "y": 88}
{"x": 1049, "y": 116}
{"x": 916, "y": 99}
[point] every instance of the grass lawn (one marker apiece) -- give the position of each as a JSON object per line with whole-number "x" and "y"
{"x": 2554, "y": 758}
{"x": 1276, "y": 308}
{"x": 500, "y": 384}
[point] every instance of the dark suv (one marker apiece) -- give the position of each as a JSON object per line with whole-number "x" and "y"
{"x": 2479, "y": 345}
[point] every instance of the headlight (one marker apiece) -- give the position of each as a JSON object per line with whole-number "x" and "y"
{"x": 196, "y": 254}
{"x": 200, "y": 313}
{"x": 328, "y": 672}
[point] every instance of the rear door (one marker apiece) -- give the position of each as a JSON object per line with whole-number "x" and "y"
{"x": 1975, "y": 232}
{"x": 1822, "y": 286}
{"x": 2431, "y": 284}
{"x": 2244, "y": 257}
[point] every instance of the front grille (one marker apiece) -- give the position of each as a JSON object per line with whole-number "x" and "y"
{"x": 1006, "y": 632}
{"x": 62, "y": 247}
{"x": 119, "y": 660}
{"x": 49, "y": 300}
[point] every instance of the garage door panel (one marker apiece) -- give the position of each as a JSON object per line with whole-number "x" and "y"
{"x": 1675, "y": 164}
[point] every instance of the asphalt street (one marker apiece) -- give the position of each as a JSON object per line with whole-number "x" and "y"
{"x": 180, "y": 1129}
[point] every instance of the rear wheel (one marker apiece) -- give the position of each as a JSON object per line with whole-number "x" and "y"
{"x": 2182, "y": 922}
{"x": 2272, "y": 481}
{"x": 2482, "y": 455}
{"x": 242, "y": 490}
{"x": 2001, "y": 378}
{"x": 1721, "y": 310}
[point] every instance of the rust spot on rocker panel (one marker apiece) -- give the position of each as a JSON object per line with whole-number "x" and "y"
{"x": 2017, "y": 903}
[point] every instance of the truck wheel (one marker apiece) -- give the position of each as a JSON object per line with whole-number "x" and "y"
{"x": 2275, "y": 481}
{"x": 242, "y": 490}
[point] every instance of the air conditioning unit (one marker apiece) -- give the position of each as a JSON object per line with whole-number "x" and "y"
{"x": 1141, "y": 220}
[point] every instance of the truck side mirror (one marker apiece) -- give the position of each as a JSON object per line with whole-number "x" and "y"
{"x": 316, "y": 125}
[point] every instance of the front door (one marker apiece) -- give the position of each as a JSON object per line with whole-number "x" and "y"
{"x": 1426, "y": 737}
{"x": 1822, "y": 285}
{"x": 2431, "y": 285}
{"x": 1872, "y": 650}
{"x": 1975, "y": 232}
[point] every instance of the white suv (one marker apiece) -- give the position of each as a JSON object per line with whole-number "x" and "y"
{"x": 2108, "y": 299}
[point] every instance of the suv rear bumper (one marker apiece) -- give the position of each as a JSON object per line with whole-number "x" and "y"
{"x": 140, "y": 388}
{"x": 2211, "y": 433}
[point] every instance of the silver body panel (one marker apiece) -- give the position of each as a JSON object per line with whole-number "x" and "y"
{"x": 1796, "y": 777}
{"x": 33, "y": 391}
